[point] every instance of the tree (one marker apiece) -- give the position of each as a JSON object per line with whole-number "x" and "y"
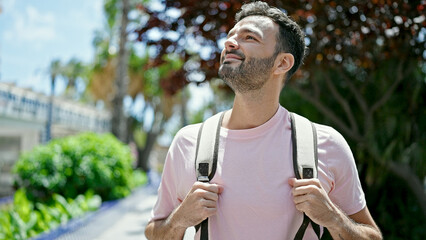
{"x": 157, "y": 101}
{"x": 364, "y": 75}
{"x": 119, "y": 120}
{"x": 109, "y": 79}
{"x": 146, "y": 78}
{"x": 71, "y": 71}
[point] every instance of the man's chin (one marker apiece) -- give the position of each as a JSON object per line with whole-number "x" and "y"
{"x": 225, "y": 71}
{"x": 228, "y": 67}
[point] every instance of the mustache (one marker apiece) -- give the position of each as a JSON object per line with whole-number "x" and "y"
{"x": 233, "y": 51}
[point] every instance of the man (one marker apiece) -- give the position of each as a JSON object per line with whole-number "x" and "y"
{"x": 254, "y": 194}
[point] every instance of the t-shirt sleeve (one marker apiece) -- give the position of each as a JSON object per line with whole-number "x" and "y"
{"x": 178, "y": 173}
{"x": 346, "y": 192}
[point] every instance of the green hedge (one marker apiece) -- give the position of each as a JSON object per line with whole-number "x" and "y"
{"x": 74, "y": 165}
{"x": 64, "y": 179}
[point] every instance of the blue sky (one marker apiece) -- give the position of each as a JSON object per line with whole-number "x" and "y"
{"x": 33, "y": 33}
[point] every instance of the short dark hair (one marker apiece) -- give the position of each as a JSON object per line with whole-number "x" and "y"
{"x": 290, "y": 39}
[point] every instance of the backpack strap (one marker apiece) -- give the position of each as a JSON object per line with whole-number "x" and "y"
{"x": 305, "y": 160}
{"x": 206, "y": 157}
{"x": 305, "y": 152}
{"x": 207, "y": 147}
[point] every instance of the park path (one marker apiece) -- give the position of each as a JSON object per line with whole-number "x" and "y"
{"x": 124, "y": 220}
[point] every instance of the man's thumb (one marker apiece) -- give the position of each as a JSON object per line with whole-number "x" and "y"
{"x": 291, "y": 181}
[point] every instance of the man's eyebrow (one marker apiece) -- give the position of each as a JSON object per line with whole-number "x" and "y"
{"x": 230, "y": 33}
{"x": 245, "y": 30}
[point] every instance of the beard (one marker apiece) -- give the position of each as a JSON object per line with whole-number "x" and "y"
{"x": 248, "y": 76}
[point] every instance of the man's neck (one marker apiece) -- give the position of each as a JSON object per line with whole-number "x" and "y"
{"x": 251, "y": 110}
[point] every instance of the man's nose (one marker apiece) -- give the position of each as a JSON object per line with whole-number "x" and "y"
{"x": 231, "y": 43}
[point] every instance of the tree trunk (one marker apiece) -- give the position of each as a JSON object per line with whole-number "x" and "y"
{"x": 119, "y": 121}
{"x": 50, "y": 110}
{"x": 151, "y": 138}
{"x": 184, "y": 99}
{"x": 144, "y": 153}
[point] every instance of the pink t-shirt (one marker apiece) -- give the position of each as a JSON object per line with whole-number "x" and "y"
{"x": 253, "y": 168}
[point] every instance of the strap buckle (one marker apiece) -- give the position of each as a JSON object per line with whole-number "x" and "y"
{"x": 203, "y": 179}
{"x": 308, "y": 172}
{"x": 203, "y": 170}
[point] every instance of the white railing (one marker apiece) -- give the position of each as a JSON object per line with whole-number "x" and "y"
{"x": 24, "y": 104}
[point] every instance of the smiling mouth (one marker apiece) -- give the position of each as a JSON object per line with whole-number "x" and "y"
{"x": 233, "y": 54}
{"x": 230, "y": 57}
{"x": 230, "y": 60}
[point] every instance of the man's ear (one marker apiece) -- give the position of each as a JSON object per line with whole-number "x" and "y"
{"x": 284, "y": 62}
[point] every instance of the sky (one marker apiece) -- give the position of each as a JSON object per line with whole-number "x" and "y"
{"x": 34, "y": 33}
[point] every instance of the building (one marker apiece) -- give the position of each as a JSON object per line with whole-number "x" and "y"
{"x": 23, "y": 120}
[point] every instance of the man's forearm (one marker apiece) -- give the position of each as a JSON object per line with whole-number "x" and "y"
{"x": 164, "y": 229}
{"x": 347, "y": 229}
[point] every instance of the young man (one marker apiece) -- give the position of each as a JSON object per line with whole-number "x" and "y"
{"x": 254, "y": 194}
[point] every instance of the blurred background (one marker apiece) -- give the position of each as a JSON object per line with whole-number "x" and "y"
{"x": 84, "y": 81}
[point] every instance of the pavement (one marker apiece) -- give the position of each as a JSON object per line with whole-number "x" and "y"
{"x": 124, "y": 220}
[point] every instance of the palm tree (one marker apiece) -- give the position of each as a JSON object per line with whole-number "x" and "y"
{"x": 71, "y": 71}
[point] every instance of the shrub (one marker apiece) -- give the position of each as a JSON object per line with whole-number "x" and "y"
{"x": 73, "y": 165}
{"x": 26, "y": 219}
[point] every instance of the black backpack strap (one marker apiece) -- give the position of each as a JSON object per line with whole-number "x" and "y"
{"x": 206, "y": 157}
{"x": 305, "y": 160}
{"x": 204, "y": 235}
{"x": 304, "y": 226}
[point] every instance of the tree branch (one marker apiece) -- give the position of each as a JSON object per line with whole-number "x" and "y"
{"x": 328, "y": 113}
{"x": 361, "y": 101}
{"x": 343, "y": 103}
{"x": 390, "y": 90}
{"x": 404, "y": 172}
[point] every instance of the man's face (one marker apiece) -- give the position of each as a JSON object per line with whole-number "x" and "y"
{"x": 249, "y": 54}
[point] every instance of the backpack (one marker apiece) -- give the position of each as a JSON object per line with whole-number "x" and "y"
{"x": 305, "y": 158}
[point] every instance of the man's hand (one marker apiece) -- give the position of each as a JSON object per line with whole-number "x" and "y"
{"x": 311, "y": 198}
{"x": 199, "y": 204}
